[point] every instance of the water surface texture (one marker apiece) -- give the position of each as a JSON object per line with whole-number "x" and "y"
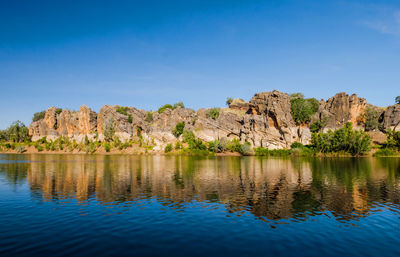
{"x": 76, "y": 205}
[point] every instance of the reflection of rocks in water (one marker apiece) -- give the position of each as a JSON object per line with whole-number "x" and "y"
{"x": 271, "y": 189}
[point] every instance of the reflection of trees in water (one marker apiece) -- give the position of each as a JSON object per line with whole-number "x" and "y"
{"x": 271, "y": 189}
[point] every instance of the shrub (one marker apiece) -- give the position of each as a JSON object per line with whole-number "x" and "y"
{"x": 130, "y": 119}
{"x": 234, "y": 145}
{"x": 397, "y": 99}
{"x": 86, "y": 140}
{"x": 228, "y": 101}
{"x": 168, "y": 148}
{"x": 58, "y": 111}
{"x": 371, "y": 119}
{"x": 302, "y": 109}
{"x": 123, "y": 110}
{"x": 90, "y": 148}
{"x": 178, "y": 145}
{"x": 43, "y": 140}
{"x": 108, "y": 129}
{"x": 342, "y": 140}
{"x": 17, "y": 132}
{"x": 385, "y": 152}
{"x": 20, "y": 149}
{"x": 197, "y": 144}
{"x": 245, "y": 149}
{"x": 296, "y": 95}
{"x": 296, "y": 145}
{"x": 178, "y": 104}
{"x": 318, "y": 125}
{"x": 107, "y": 146}
{"x": 178, "y": 130}
{"x": 187, "y": 136}
{"x": 164, "y": 107}
{"x": 38, "y": 116}
{"x": 39, "y": 147}
{"x": 392, "y": 139}
{"x": 213, "y": 113}
{"x": 149, "y": 117}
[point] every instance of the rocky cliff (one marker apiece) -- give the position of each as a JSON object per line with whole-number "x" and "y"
{"x": 265, "y": 120}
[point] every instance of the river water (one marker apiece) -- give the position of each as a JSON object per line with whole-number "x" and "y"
{"x": 95, "y": 205}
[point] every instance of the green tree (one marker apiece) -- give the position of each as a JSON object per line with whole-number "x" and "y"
{"x": 168, "y": 148}
{"x": 108, "y": 129}
{"x": 302, "y": 109}
{"x": 38, "y": 116}
{"x": 397, "y": 99}
{"x": 165, "y": 107}
{"x": 371, "y": 119}
{"x": 178, "y": 104}
{"x": 213, "y": 113}
{"x": 122, "y": 110}
{"x": 149, "y": 117}
{"x": 229, "y": 101}
{"x": 17, "y": 132}
{"x": 178, "y": 130}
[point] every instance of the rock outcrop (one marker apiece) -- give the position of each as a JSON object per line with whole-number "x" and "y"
{"x": 265, "y": 120}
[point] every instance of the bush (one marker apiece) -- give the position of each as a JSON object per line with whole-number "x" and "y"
{"x": 342, "y": 140}
{"x": 20, "y": 149}
{"x": 107, "y": 146}
{"x": 123, "y": 110}
{"x": 17, "y": 132}
{"x": 164, "y": 107}
{"x": 392, "y": 139}
{"x": 296, "y": 145}
{"x": 228, "y": 101}
{"x": 149, "y": 117}
{"x": 318, "y": 125}
{"x": 197, "y": 144}
{"x": 385, "y": 152}
{"x": 245, "y": 149}
{"x": 178, "y": 104}
{"x": 213, "y": 113}
{"x": 168, "y": 148}
{"x": 371, "y": 119}
{"x": 187, "y": 136}
{"x": 397, "y": 99}
{"x": 302, "y": 109}
{"x": 261, "y": 151}
{"x": 130, "y": 119}
{"x": 234, "y": 145}
{"x": 108, "y": 129}
{"x": 58, "y": 111}
{"x": 178, "y": 145}
{"x": 178, "y": 130}
{"x": 39, "y": 147}
{"x": 38, "y": 116}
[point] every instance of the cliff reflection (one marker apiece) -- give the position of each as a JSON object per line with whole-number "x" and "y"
{"x": 271, "y": 189}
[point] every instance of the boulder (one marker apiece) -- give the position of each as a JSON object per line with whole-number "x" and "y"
{"x": 390, "y": 118}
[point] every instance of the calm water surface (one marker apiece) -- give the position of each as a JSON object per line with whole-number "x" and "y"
{"x": 72, "y": 205}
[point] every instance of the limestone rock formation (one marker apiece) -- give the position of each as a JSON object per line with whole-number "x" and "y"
{"x": 390, "y": 118}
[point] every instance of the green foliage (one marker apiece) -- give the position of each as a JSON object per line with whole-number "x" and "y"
{"x": 164, "y": 107}
{"x": 318, "y": 125}
{"x": 178, "y": 104}
{"x": 20, "y": 149}
{"x": 107, "y": 146}
{"x": 108, "y": 129}
{"x": 178, "y": 145}
{"x": 90, "y": 148}
{"x": 38, "y": 116}
{"x": 261, "y": 151}
{"x": 344, "y": 140}
{"x": 139, "y": 131}
{"x": 86, "y": 140}
{"x": 17, "y": 132}
{"x": 149, "y": 117}
{"x": 116, "y": 142}
{"x": 187, "y": 135}
{"x": 43, "y": 140}
{"x": 218, "y": 146}
{"x": 213, "y": 113}
{"x": 168, "y": 148}
{"x": 371, "y": 119}
{"x": 196, "y": 144}
{"x": 392, "y": 139}
{"x": 123, "y": 110}
{"x": 58, "y": 111}
{"x": 178, "y": 130}
{"x": 130, "y": 119}
{"x": 397, "y": 99}
{"x": 245, "y": 149}
{"x": 386, "y": 152}
{"x": 296, "y": 95}
{"x": 39, "y": 147}
{"x": 234, "y": 145}
{"x": 228, "y": 101}
{"x": 296, "y": 145}
{"x": 302, "y": 109}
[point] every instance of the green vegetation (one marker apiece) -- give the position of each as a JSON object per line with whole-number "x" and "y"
{"x": 178, "y": 130}
{"x": 393, "y": 140}
{"x": 168, "y": 148}
{"x": 169, "y": 106}
{"x": 213, "y": 113}
{"x": 318, "y": 125}
{"x": 261, "y": 151}
{"x": 107, "y": 146}
{"x": 17, "y": 132}
{"x": 108, "y": 129}
{"x": 58, "y": 111}
{"x": 397, "y": 99}
{"x": 385, "y": 152}
{"x": 229, "y": 101}
{"x": 38, "y": 116}
{"x": 344, "y": 140}
{"x": 371, "y": 119}
{"x": 149, "y": 117}
{"x": 130, "y": 119}
{"x": 123, "y": 110}
{"x": 302, "y": 109}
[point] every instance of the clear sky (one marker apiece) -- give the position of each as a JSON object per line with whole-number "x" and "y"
{"x": 148, "y": 53}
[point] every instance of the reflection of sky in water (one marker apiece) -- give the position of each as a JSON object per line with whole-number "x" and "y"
{"x": 241, "y": 202}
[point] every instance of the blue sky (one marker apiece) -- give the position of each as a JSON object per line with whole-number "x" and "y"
{"x": 148, "y": 53}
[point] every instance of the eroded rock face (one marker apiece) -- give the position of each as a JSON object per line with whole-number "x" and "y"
{"x": 87, "y": 120}
{"x": 391, "y": 118}
{"x": 342, "y": 108}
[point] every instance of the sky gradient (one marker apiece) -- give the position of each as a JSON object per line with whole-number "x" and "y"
{"x": 148, "y": 53}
